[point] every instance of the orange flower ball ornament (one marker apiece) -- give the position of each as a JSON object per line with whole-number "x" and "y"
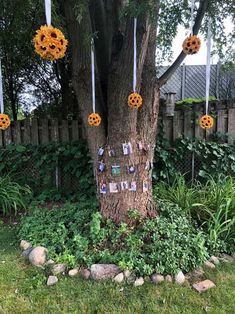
{"x": 50, "y": 43}
{"x": 94, "y": 119}
{"x": 206, "y": 122}
{"x": 4, "y": 121}
{"x": 191, "y": 45}
{"x": 135, "y": 100}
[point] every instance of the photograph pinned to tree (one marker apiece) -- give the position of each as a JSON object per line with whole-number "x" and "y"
{"x": 124, "y": 185}
{"x": 133, "y": 186}
{"x": 116, "y": 170}
{"x": 103, "y": 188}
{"x": 112, "y": 152}
{"x": 145, "y": 186}
{"x": 102, "y": 166}
{"x": 113, "y": 187}
{"x": 101, "y": 151}
{"x": 131, "y": 169}
{"x": 127, "y": 148}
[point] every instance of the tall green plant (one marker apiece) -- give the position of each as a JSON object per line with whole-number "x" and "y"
{"x": 13, "y": 197}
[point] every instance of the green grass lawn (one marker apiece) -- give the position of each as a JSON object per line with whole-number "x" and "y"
{"x": 23, "y": 290}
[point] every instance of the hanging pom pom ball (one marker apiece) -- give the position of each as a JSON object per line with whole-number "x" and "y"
{"x": 135, "y": 100}
{"x": 206, "y": 122}
{"x": 191, "y": 45}
{"x": 50, "y": 43}
{"x": 94, "y": 119}
{"x": 4, "y": 121}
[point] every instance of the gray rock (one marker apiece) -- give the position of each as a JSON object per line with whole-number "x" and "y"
{"x": 180, "y": 278}
{"x": 26, "y": 252}
{"x": 208, "y": 264}
{"x": 127, "y": 273}
{"x": 58, "y": 269}
{"x": 198, "y": 272}
{"x": 226, "y": 258}
{"x": 50, "y": 263}
{"x": 233, "y": 255}
{"x": 73, "y": 272}
{"x": 139, "y": 282}
{"x": 104, "y": 271}
{"x": 52, "y": 280}
{"x": 203, "y": 285}
{"x": 213, "y": 259}
{"x": 85, "y": 273}
{"x": 38, "y": 256}
{"x": 25, "y": 245}
{"x": 168, "y": 278}
{"x": 157, "y": 278}
{"x": 119, "y": 278}
{"x": 131, "y": 279}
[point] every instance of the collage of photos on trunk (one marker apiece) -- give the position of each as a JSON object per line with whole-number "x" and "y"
{"x": 129, "y": 170}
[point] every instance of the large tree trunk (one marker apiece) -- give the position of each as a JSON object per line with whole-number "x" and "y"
{"x": 120, "y": 124}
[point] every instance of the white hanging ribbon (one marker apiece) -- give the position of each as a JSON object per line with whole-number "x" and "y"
{"x": 48, "y": 11}
{"x": 192, "y": 20}
{"x": 1, "y": 90}
{"x": 93, "y": 74}
{"x": 208, "y": 61}
{"x": 135, "y": 57}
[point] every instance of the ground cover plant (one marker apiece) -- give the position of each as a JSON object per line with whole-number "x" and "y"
{"x": 23, "y": 290}
{"x": 78, "y": 235}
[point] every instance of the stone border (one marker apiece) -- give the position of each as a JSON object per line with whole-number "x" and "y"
{"x": 38, "y": 257}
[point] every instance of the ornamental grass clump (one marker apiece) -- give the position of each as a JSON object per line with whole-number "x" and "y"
{"x": 13, "y": 197}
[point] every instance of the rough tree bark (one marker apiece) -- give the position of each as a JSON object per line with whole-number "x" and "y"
{"x": 120, "y": 124}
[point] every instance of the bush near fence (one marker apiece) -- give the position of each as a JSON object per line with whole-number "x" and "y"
{"x": 54, "y": 171}
{"x": 63, "y": 171}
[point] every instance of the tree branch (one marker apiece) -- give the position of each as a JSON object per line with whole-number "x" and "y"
{"x": 198, "y": 21}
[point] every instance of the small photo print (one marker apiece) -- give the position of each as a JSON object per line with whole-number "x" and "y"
{"x": 115, "y": 170}
{"x": 103, "y": 188}
{"x": 113, "y": 187}
{"x": 145, "y": 186}
{"x": 100, "y": 151}
{"x": 127, "y": 148}
{"x": 112, "y": 152}
{"x": 101, "y": 166}
{"x": 133, "y": 187}
{"x": 124, "y": 185}
{"x": 131, "y": 169}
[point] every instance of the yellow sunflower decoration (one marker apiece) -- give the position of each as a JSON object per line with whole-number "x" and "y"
{"x": 94, "y": 119}
{"x": 191, "y": 45}
{"x": 50, "y": 43}
{"x": 206, "y": 122}
{"x": 135, "y": 100}
{"x": 4, "y": 121}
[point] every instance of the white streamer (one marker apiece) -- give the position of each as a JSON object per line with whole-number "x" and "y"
{"x": 135, "y": 57}
{"x": 208, "y": 60}
{"x": 192, "y": 20}
{"x": 48, "y": 11}
{"x": 93, "y": 75}
{"x": 1, "y": 90}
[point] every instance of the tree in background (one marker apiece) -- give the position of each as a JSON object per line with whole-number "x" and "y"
{"x": 110, "y": 23}
{"x": 28, "y": 80}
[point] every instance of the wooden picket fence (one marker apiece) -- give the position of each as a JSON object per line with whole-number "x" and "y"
{"x": 183, "y": 124}
{"x": 41, "y": 131}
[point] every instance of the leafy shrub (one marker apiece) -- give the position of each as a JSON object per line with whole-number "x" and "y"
{"x": 40, "y": 164}
{"x": 76, "y": 234}
{"x": 211, "y": 157}
{"x": 13, "y": 197}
